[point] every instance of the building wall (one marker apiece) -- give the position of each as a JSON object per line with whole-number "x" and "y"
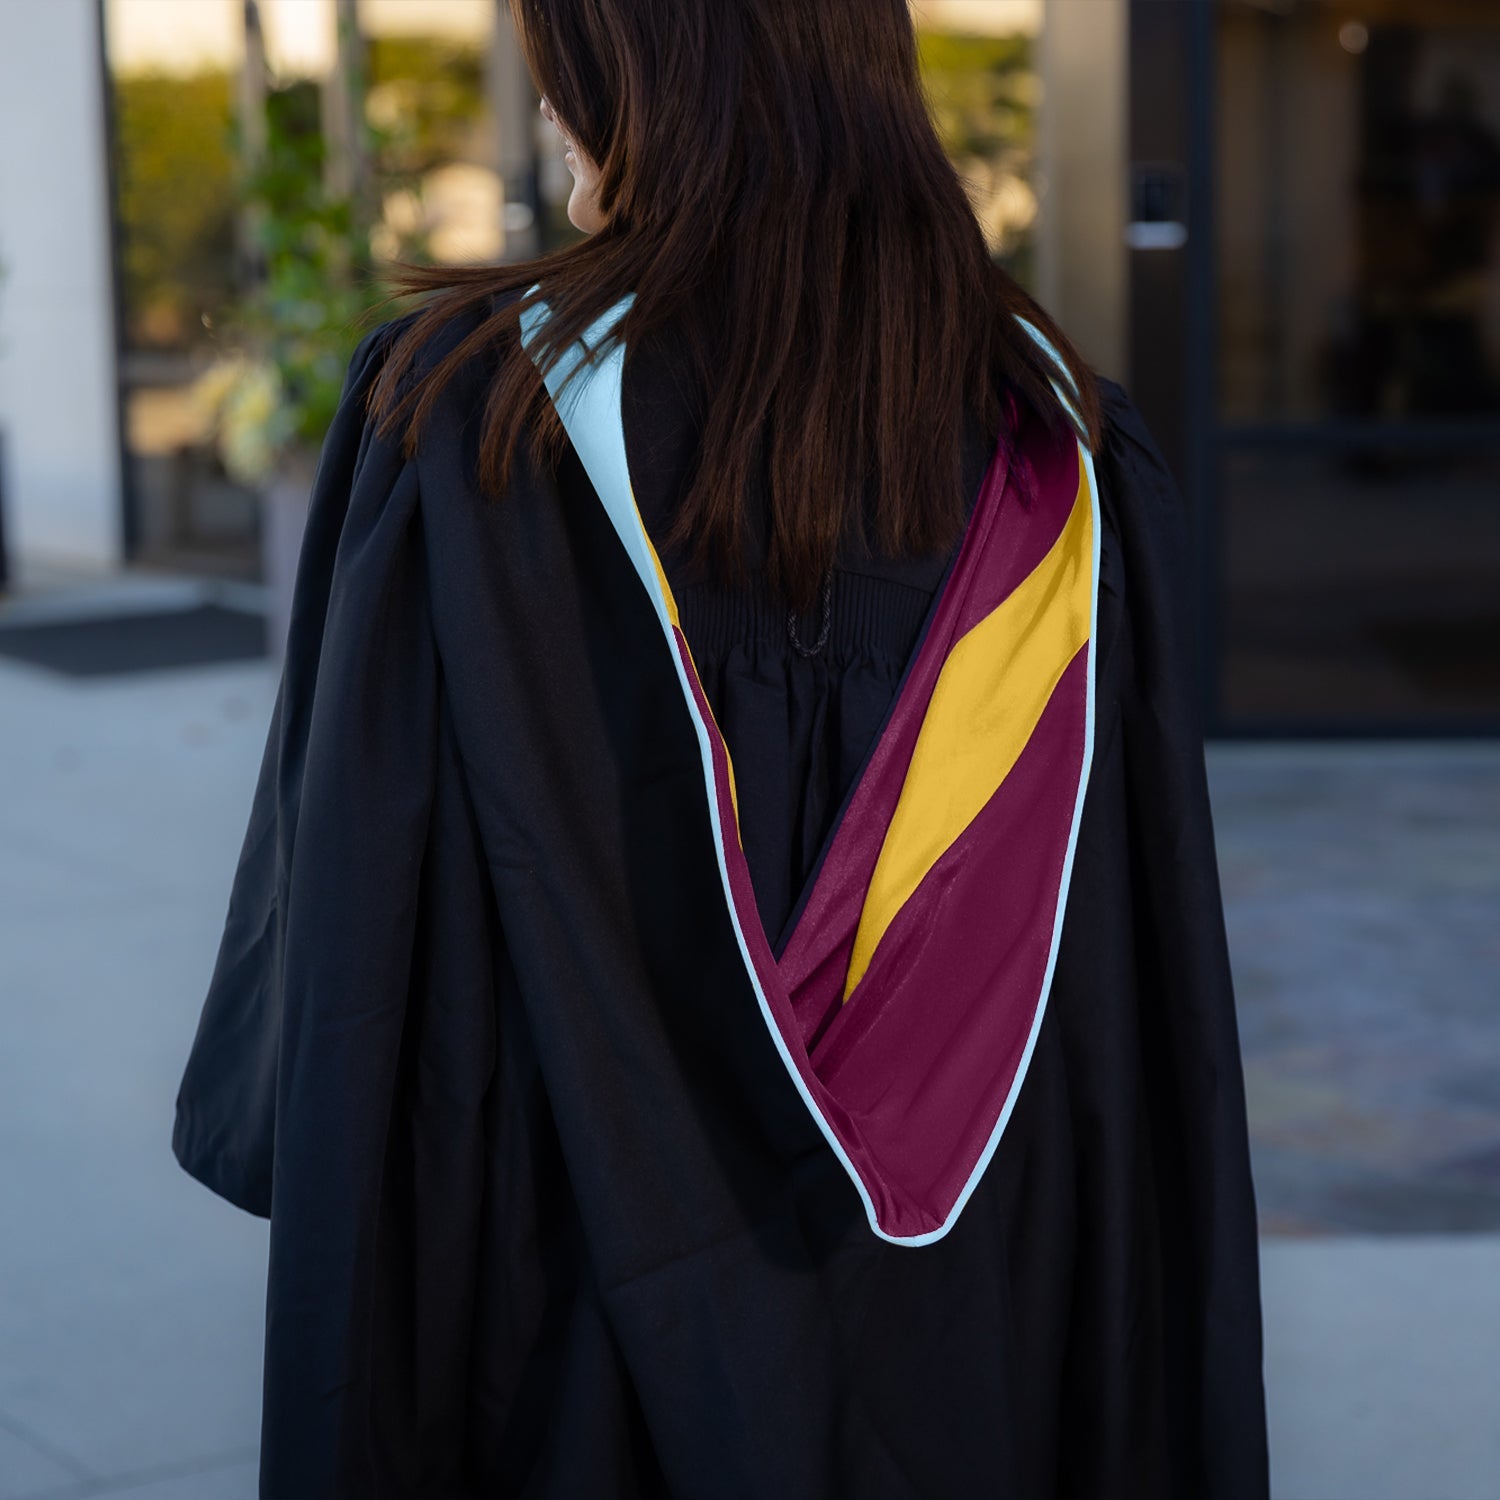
{"x": 1082, "y": 262}
{"x": 58, "y": 403}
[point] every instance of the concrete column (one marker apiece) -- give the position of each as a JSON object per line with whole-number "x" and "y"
{"x": 1082, "y": 155}
{"x": 514, "y": 103}
{"x": 58, "y": 384}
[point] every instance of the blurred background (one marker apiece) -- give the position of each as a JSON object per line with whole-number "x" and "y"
{"x": 1276, "y": 222}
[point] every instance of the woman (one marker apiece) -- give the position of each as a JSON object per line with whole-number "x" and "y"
{"x": 725, "y": 991}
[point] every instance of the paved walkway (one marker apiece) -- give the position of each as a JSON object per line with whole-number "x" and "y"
{"x": 1362, "y": 891}
{"x": 131, "y": 1298}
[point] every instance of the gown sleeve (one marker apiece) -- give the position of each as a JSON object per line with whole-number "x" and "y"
{"x": 321, "y": 896}
{"x": 1190, "y": 1039}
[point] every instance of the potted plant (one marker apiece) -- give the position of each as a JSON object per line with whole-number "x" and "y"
{"x": 269, "y": 399}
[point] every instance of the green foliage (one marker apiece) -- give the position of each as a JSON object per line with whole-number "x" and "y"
{"x": 175, "y": 169}
{"x": 312, "y": 284}
{"x": 981, "y": 90}
{"x": 315, "y": 282}
{"x": 427, "y": 96}
{"x": 285, "y": 341}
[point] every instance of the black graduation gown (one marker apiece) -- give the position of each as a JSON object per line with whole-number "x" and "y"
{"x": 548, "y": 1216}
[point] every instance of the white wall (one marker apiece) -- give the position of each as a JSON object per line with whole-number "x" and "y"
{"x": 62, "y": 482}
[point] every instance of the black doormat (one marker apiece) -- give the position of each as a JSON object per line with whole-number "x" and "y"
{"x": 112, "y": 645}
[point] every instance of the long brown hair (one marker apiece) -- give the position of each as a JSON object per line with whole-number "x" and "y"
{"x": 773, "y": 188}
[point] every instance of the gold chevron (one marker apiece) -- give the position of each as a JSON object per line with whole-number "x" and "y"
{"x": 985, "y": 705}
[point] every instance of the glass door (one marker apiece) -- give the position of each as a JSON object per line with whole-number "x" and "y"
{"x": 1356, "y": 350}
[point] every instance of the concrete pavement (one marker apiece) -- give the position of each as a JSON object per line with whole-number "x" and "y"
{"x": 131, "y": 1298}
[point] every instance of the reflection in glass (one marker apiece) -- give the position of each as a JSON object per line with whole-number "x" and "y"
{"x": 979, "y": 69}
{"x": 1357, "y": 253}
{"x": 1360, "y": 588}
{"x": 1359, "y": 209}
{"x": 177, "y": 90}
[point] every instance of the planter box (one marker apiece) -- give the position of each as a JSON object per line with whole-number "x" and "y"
{"x": 284, "y": 505}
